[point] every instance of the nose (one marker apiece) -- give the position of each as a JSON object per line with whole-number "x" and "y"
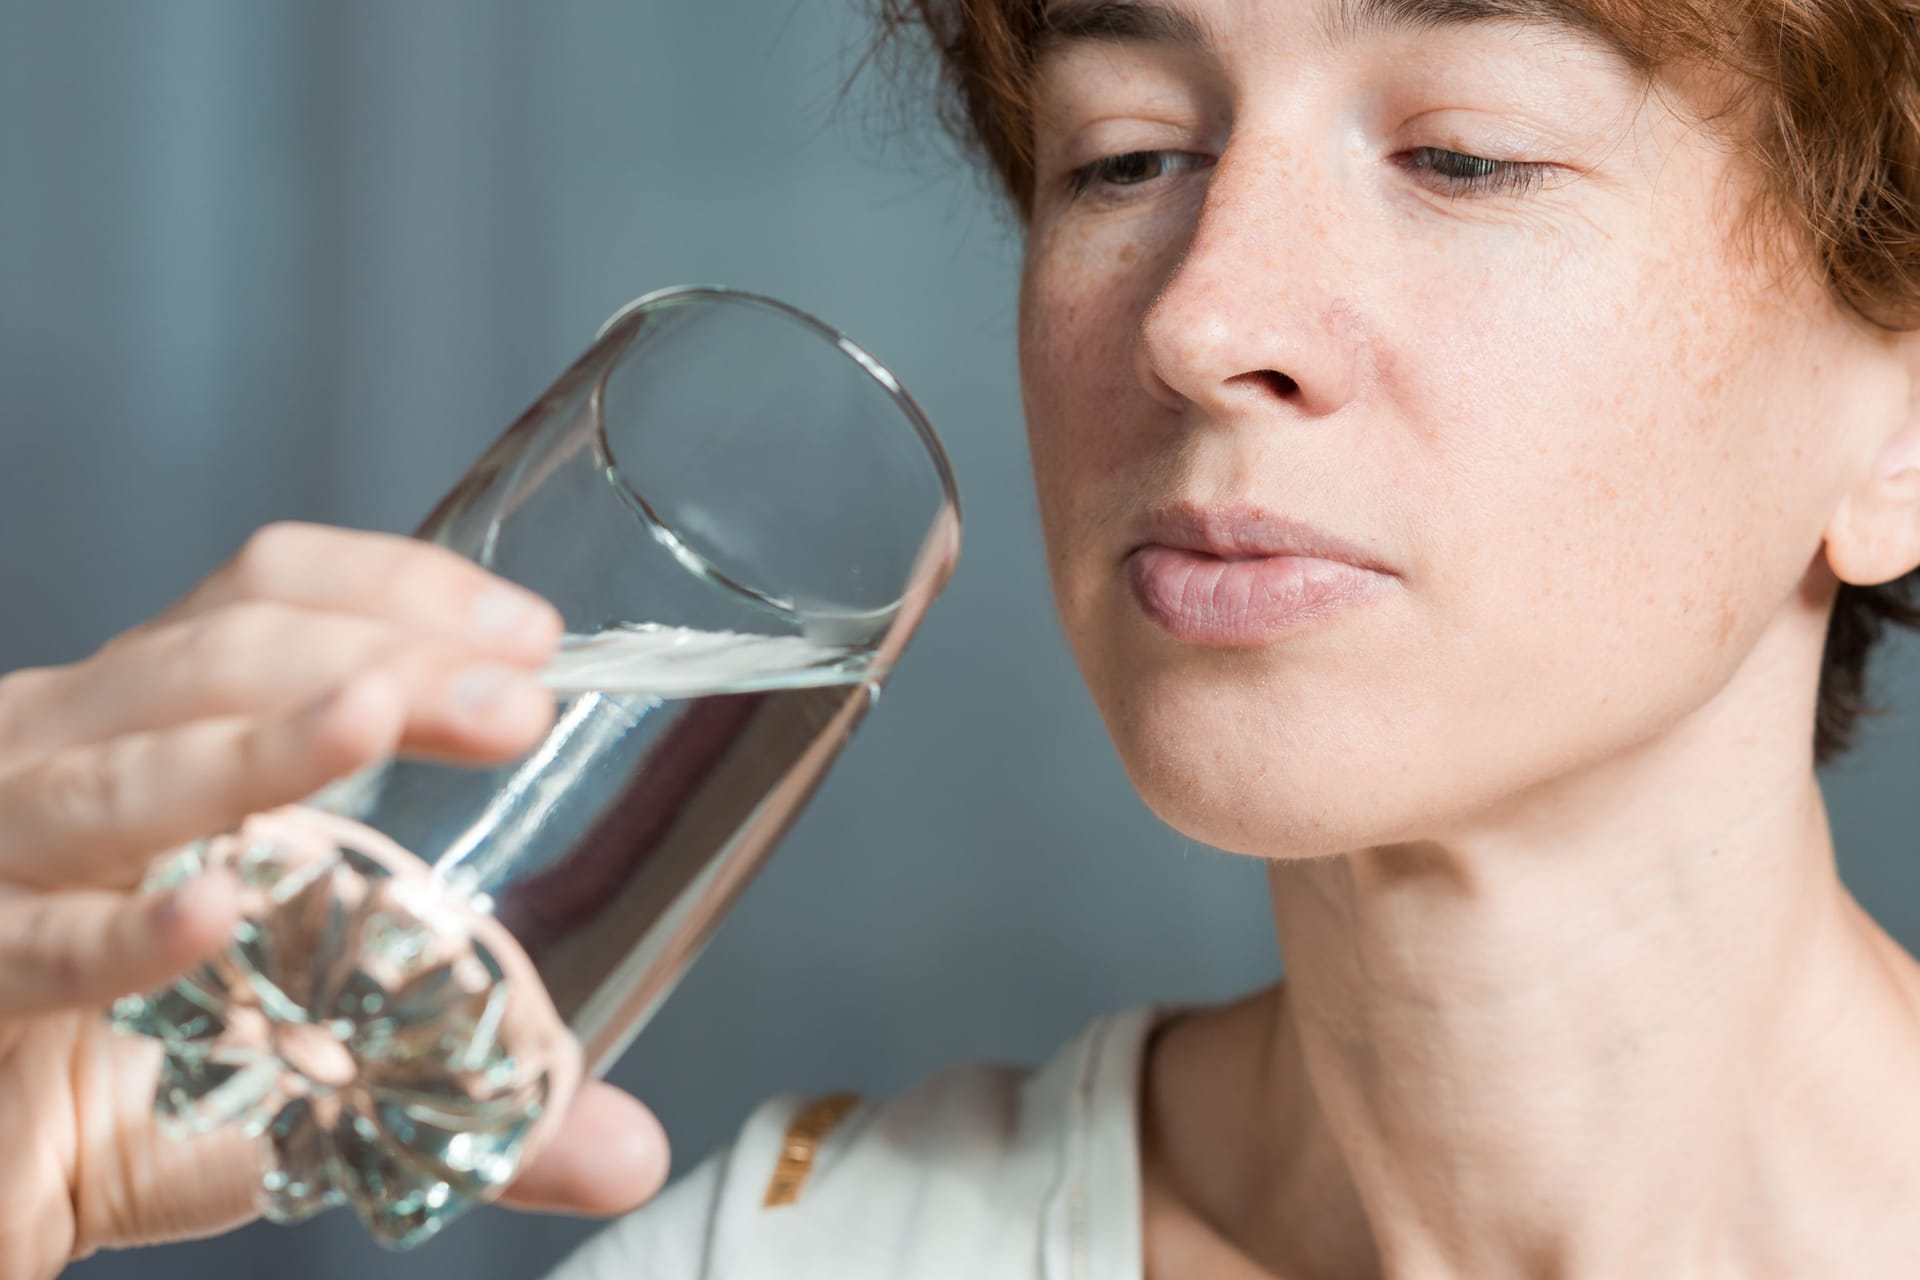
{"x": 1254, "y": 317}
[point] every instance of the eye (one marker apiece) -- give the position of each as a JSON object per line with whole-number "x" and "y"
{"x": 1456, "y": 173}
{"x": 1132, "y": 169}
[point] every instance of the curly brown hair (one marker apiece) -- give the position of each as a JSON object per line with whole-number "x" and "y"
{"x": 1831, "y": 103}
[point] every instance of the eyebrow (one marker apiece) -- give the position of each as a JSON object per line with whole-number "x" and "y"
{"x": 1153, "y": 22}
{"x": 1360, "y": 17}
{"x": 1122, "y": 22}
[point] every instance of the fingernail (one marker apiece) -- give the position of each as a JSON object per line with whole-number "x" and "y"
{"x": 171, "y": 904}
{"x": 202, "y": 895}
{"x": 480, "y": 690}
{"x": 504, "y": 610}
{"x": 165, "y": 911}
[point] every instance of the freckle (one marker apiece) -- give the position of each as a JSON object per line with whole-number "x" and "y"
{"x": 1127, "y": 252}
{"x": 1724, "y": 623}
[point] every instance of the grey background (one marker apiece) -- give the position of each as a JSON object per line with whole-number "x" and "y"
{"x": 304, "y": 258}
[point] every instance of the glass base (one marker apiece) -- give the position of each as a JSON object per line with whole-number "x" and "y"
{"x": 383, "y": 1038}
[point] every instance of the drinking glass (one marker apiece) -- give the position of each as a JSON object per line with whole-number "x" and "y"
{"x": 742, "y": 517}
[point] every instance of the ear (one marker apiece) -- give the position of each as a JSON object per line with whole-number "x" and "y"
{"x": 1874, "y": 537}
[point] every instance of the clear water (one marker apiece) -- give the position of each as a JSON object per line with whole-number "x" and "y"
{"x": 679, "y": 662}
{"x": 392, "y": 1032}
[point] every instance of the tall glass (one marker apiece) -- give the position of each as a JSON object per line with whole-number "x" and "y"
{"x": 742, "y": 517}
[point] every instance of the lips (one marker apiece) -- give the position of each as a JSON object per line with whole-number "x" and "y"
{"x": 1239, "y": 575}
{"x": 1243, "y": 532}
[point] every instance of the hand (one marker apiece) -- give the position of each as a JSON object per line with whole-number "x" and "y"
{"x": 311, "y": 653}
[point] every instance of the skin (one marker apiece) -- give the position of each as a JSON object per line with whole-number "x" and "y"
{"x": 311, "y": 653}
{"x": 1573, "y": 987}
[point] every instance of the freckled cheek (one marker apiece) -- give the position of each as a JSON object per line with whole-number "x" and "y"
{"x": 1079, "y": 389}
{"x": 1612, "y": 457}
{"x": 1523, "y": 392}
{"x": 1683, "y": 440}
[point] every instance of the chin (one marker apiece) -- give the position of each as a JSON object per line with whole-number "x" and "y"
{"x": 1226, "y": 762}
{"x": 1253, "y": 753}
{"x": 1256, "y": 808}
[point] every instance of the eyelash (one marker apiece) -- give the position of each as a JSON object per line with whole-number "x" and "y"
{"x": 1467, "y": 175}
{"x": 1106, "y": 171}
{"x": 1463, "y": 175}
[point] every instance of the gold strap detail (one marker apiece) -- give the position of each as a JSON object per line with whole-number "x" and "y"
{"x": 811, "y": 1123}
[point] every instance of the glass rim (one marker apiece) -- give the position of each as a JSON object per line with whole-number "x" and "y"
{"x": 680, "y": 294}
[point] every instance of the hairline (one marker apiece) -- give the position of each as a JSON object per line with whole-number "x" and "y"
{"x": 1169, "y": 23}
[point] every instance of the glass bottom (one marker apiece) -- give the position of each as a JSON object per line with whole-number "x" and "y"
{"x": 382, "y": 1037}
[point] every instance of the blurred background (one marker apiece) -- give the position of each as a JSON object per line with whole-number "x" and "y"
{"x": 265, "y": 259}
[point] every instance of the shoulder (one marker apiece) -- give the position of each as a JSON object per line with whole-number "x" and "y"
{"x": 959, "y": 1176}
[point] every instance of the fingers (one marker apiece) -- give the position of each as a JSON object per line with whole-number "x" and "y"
{"x": 257, "y": 658}
{"x": 609, "y": 1156}
{"x": 96, "y": 815}
{"x": 416, "y": 585}
{"x": 67, "y": 950}
{"x": 133, "y": 1184}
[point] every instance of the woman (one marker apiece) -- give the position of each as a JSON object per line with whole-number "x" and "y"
{"x": 1478, "y": 442}
{"x": 1455, "y": 423}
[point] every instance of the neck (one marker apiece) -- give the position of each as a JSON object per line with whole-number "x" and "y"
{"x": 1653, "y": 1037}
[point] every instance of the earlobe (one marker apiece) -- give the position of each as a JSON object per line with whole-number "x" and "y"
{"x": 1869, "y": 543}
{"x": 1875, "y": 535}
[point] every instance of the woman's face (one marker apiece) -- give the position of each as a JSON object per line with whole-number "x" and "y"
{"x": 1465, "y": 298}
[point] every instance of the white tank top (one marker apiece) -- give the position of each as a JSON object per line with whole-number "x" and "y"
{"x": 981, "y": 1172}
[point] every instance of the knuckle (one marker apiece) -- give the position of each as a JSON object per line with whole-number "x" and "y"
{"x": 248, "y": 653}
{"x": 16, "y": 695}
{"x": 327, "y": 755}
{"x": 265, "y": 558}
{"x": 84, "y": 790}
{"x": 386, "y": 651}
{"x": 392, "y": 657}
{"x": 225, "y": 634}
{"x": 221, "y": 639}
{"x": 256, "y": 755}
{"x": 210, "y": 653}
{"x": 263, "y": 757}
{"x": 413, "y": 575}
{"x": 126, "y": 639}
{"x": 338, "y": 745}
{"x": 48, "y": 949}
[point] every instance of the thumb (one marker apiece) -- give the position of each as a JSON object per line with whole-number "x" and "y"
{"x": 608, "y": 1156}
